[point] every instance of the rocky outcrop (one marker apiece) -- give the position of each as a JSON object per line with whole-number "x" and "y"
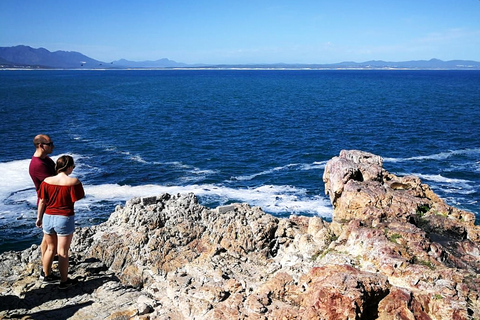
{"x": 393, "y": 250}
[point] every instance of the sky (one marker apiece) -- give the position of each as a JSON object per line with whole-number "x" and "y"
{"x": 247, "y": 31}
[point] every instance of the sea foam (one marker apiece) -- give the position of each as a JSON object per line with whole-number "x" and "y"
{"x": 18, "y": 197}
{"x": 273, "y": 199}
{"x": 437, "y": 156}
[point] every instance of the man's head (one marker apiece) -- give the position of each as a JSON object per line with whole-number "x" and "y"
{"x": 43, "y": 144}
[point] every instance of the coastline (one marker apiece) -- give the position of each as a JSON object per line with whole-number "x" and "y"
{"x": 448, "y": 161}
{"x": 167, "y": 256}
{"x": 243, "y": 68}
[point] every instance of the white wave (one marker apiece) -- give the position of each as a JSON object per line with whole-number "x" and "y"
{"x": 176, "y": 164}
{"x": 112, "y": 149}
{"x": 195, "y": 176}
{"x": 273, "y": 199}
{"x": 313, "y": 166}
{"x": 300, "y": 166}
{"x": 438, "y": 156}
{"x": 15, "y": 182}
{"x": 449, "y": 185}
{"x": 440, "y": 178}
{"x": 14, "y": 177}
{"x": 138, "y": 158}
{"x": 253, "y": 176}
{"x": 18, "y": 197}
{"x": 458, "y": 191}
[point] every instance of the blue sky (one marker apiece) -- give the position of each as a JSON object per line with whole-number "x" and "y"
{"x": 246, "y": 31}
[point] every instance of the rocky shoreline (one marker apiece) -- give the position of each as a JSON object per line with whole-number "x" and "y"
{"x": 394, "y": 250}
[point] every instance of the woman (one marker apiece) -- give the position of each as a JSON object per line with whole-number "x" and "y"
{"x": 57, "y": 195}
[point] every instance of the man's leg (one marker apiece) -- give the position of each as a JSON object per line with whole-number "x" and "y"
{"x": 47, "y": 259}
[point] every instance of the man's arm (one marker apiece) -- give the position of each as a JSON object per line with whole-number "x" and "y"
{"x": 40, "y": 211}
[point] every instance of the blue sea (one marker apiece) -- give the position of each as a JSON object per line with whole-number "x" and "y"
{"x": 257, "y": 136}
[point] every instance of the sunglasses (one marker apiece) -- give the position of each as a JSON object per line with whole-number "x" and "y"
{"x": 48, "y": 144}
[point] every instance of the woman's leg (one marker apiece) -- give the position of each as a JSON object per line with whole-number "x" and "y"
{"x": 62, "y": 250}
{"x": 43, "y": 246}
{"x": 51, "y": 245}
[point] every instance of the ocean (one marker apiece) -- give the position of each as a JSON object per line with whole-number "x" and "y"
{"x": 257, "y": 136}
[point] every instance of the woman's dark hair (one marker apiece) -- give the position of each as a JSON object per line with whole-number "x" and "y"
{"x": 63, "y": 163}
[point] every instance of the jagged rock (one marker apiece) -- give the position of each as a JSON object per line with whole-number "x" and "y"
{"x": 394, "y": 250}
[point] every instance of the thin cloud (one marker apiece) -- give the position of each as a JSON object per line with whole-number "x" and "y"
{"x": 450, "y": 35}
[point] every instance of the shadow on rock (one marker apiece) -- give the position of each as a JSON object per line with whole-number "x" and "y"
{"x": 60, "y": 313}
{"x": 55, "y": 299}
{"x": 9, "y": 302}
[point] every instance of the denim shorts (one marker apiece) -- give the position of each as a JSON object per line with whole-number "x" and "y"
{"x": 60, "y": 225}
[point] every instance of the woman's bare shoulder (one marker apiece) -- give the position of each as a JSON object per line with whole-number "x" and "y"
{"x": 73, "y": 181}
{"x": 49, "y": 180}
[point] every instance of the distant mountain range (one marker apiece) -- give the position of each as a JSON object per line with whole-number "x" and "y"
{"x": 24, "y": 57}
{"x": 27, "y": 57}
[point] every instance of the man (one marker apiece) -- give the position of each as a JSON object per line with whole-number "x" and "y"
{"x": 41, "y": 167}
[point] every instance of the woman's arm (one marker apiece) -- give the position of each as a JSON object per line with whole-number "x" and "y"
{"x": 40, "y": 211}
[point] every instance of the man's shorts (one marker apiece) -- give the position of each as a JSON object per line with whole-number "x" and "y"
{"x": 60, "y": 225}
